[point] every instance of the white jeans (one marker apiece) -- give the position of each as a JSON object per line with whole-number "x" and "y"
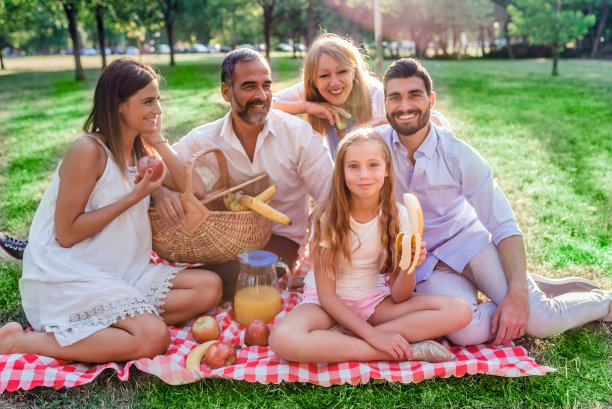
{"x": 547, "y": 316}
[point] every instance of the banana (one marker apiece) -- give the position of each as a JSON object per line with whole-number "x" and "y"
{"x": 267, "y": 194}
{"x": 262, "y": 208}
{"x": 232, "y": 204}
{"x": 412, "y": 236}
{"x": 194, "y": 359}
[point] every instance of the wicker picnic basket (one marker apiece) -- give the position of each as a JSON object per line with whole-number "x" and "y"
{"x": 211, "y": 234}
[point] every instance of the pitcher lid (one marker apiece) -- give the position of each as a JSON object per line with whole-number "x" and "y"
{"x": 261, "y": 258}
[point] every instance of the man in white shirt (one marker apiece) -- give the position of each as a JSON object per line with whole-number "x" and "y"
{"x": 257, "y": 139}
{"x": 473, "y": 240}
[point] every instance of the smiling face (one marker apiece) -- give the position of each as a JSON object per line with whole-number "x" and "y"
{"x": 407, "y": 105}
{"x": 139, "y": 113}
{"x": 251, "y": 92}
{"x": 333, "y": 80}
{"x": 365, "y": 170}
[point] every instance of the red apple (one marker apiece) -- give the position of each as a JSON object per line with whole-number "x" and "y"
{"x": 150, "y": 162}
{"x": 205, "y": 328}
{"x": 220, "y": 354}
{"x": 257, "y": 333}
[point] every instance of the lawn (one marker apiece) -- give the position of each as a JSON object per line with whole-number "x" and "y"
{"x": 547, "y": 139}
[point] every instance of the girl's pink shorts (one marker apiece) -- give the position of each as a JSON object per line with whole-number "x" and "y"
{"x": 363, "y": 306}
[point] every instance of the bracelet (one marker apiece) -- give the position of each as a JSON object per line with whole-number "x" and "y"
{"x": 162, "y": 141}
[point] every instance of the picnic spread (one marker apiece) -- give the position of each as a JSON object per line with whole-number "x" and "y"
{"x": 260, "y": 364}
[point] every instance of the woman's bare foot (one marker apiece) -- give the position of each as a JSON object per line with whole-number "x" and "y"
{"x": 8, "y": 334}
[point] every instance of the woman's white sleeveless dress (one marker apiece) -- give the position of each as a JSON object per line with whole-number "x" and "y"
{"x": 74, "y": 292}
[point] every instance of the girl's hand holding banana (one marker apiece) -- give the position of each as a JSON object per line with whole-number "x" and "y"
{"x": 411, "y": 239}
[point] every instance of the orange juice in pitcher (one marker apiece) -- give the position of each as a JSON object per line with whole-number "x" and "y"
{"x": 257, "y": 302}
{"x": 256, "y": 295}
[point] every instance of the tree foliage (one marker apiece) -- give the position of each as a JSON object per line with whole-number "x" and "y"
{"x": 549, "y": 23}
{"x": 444, "y": 27}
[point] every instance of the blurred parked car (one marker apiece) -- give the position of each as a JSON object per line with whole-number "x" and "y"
{"x": 163, "y": 49}
{"x": 214, "y": 48}
{"x": 249, "y": 46}
{"x": 284, "y": 47}
{"x": 197, "y": 48}
{"x": 225, "y": 49}
{"x": 131, "y": 50}
{"x": 88, "y": 51}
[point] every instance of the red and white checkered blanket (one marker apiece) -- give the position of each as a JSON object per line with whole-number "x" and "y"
{"x": 260, "y": 364}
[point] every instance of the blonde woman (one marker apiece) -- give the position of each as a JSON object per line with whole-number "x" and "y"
{"x": 338, "y": 91}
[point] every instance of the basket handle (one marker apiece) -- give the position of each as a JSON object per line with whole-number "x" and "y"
{"x": 189, "y": 163}
{"x": 235, "y": 188}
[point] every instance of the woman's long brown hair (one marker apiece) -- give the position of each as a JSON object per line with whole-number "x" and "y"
{"x": 330, "y": 238}
{"x": 118, "y": 81}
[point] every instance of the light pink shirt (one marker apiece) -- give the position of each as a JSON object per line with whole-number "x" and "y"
{"x": 288, "y": 150}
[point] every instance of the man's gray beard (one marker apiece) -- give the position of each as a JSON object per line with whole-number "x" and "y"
{"x": 256, "y": 119}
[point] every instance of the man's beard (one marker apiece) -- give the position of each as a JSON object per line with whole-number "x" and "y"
{"x": 252, "y": 118}
{"x": 409, "y": 129}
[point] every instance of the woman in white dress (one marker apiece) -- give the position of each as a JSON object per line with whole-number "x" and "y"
{"x": 337, "y": 83}
{"x": 88, "y": 287}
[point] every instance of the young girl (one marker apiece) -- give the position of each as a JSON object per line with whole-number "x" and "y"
{"x": 337, "y": 82}
{"x": 87, "y": 287}
{"x": 352, "y": 242}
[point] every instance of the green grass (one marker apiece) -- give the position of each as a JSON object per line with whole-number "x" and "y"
{"x": 548, "y": 140}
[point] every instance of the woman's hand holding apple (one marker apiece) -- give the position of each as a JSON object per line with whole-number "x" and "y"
{"x": 146, "y": 185}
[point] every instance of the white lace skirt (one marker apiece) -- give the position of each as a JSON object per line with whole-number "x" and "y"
{"x": 74, "y": 310}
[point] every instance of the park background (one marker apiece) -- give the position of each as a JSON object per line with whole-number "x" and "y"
{"x": 546, "y": 136}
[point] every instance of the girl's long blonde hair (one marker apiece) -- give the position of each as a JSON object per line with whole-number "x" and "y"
{"x": 344, "y": 51}
{"x": 330, "y": 238}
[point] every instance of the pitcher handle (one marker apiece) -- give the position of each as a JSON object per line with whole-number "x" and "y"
{"x": 287, "y": 271}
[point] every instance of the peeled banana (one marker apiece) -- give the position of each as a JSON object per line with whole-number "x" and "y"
{"x": 262, "y": 208}
{"x": 194, "y": 359}
{"x": 232, "y": 204}
{"x": 414, "y": 235}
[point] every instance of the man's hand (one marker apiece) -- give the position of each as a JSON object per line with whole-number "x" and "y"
{"x": 510, "y": 318}
{"x": 168, "y": 206}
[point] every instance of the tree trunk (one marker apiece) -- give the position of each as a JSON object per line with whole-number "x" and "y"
{"x": 600, "y": 29}
{"x": 71, "y": 14}
{"x": 555, "y": 50}
{"x": 555, "y": 55}
{"x": 101, "y": 42}
{"x": 1, "y": 57}
{"x": 170, "y": 12}
{"x": 268, "y": 9}
{"x": 507, "y": 36}
{"x": 310, "y": 23}
{"x": 170, "y": 34}
{"x": 482, "y": 40}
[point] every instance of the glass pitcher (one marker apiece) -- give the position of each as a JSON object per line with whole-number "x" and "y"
{"x": 257, "y": 294}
